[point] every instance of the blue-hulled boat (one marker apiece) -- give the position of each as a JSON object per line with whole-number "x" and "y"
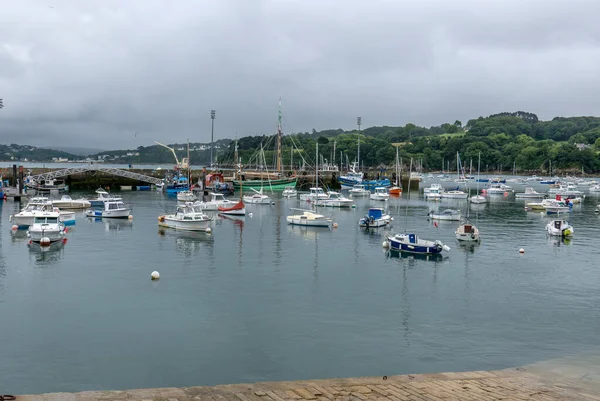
{"x": 412, "y": 243}
{"x": 177, "y": 184}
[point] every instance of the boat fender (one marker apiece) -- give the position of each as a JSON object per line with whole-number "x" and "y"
{"x": 161, "y": 218}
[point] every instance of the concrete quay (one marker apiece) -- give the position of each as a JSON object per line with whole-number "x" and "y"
{"x": 526, "y": 383}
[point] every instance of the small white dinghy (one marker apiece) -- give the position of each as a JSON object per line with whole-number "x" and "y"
{"x": 359, "y": 190}
{"x": 467, "y": 232}
{"x": 46, "y": 228}
{"x": 187, "y": 217}
{"x": 111, "y": 209}
{"x": 559, "y": 228}
{"x": 289, "y": 192}
{"x": 380, "y": 194}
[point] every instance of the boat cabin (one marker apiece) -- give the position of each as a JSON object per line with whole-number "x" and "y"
{"x": 45, "y": 220}
{"x": 381, "y": 190}
{"x": 317, "y": 192}
{"x": 375, "y": 213}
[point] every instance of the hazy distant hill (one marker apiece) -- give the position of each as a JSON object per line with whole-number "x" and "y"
{"x": 78, "y": 151}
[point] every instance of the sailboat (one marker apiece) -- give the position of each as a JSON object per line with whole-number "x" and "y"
{"x": 258, "y": 197}
{"x": 275, "y": 184}
{"x": 396, "y": 190}
{"x": 478, "y": 198}
{"x": 239, "y": 209}
{"x": 410, "y": 242}
{"x": 456, "y": 193}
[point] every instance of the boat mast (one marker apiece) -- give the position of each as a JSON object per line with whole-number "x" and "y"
{"x": 317, "y": 166}
{"x": 279, "y": 138}
{"x": 235, "y": 153}
{"x": 358, "y": 122}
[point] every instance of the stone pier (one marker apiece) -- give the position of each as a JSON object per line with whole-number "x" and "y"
{"x": 526, "y": 383}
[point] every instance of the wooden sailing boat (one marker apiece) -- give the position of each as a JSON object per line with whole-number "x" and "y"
{"x": 396, "y": 190}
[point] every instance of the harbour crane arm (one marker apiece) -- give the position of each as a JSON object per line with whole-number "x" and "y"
{"x": 172, "y": 151}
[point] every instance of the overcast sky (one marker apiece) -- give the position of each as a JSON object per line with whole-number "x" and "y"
{"x": 93, "y": 73}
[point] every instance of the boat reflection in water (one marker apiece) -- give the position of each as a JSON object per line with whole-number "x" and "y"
{"x": 188, "y": 242}
{"x": 18, "y": 235}
{"x": 47, "y": 255}
{"x": 558, "y": 241}
{"x": 435, "y": 257}
{"x": 112, "y": 225}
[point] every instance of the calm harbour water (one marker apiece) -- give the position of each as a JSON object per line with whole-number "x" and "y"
{"x": 258, "y": 300}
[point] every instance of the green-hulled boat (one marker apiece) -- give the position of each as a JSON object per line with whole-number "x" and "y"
{"x": 276, "y": 185}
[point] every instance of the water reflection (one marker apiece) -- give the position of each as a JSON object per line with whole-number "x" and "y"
{"x": 112, "y": 224}
{"x": 17, "y": 236}
{"x": 45, "y": 256}
{"x": 188, "y": 243}
{"x": 307, "y": 233}
{"x": 558, "y": 241}
{"x": 438, "y": 257}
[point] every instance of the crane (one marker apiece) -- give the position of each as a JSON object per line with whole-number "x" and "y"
{"x": 184, "y": 162}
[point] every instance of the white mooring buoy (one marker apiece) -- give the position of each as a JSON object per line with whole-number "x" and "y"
{"x": 385, "y": 244}
{"x": 155, "y": 275}
{"x": 208, "y": 230}
{"x": 521, "y": 250}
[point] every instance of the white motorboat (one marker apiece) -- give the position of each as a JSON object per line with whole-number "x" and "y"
{"x": 478, "y": 199}
{"x": 46, "y": 228}
{"x": 376, "y": 217}
{"x": 309, "y": 218}
{"x": 498, "y": 189}
{"x": 335, "y": 199}
{"x": 529, "y": 193}
{"x": 433, "y": 194}
{"x": 111, "y": 209}
{"x": 289, "y": 192}
{"x": 258, "y": 198}
{"x": 568, "y": 190}
{"x": 553, "y": 206}
{"x": 66, "y": 202}
{"x": 187, "y": 217}
{"x": 103, "y": 196}
{"x": 359, "y": 190}
{"x": 314, "y": 194}
{"x": 559, "y": 228}
{"x": 448, "y": 214}
{"x": 25, "y": 218}
{"x": 434, "y": 188}
{"x": 186, "y": 196}
{"x": 455, "y": 194}
{"x": 467, "y": 232}
{"x": 380, "y": 194}
{"x": 216, "y": 201}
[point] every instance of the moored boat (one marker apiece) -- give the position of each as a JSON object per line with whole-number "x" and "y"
{"x": 380, "y": 194}
{"x": 46, "y": 228}
{"x": 559, "y": 228}
{"x": 186, "y": 217}
{"x": 216, "y": 200}
{"x": 447, "y": 214}
{"x": 66, "y": 202}
{"x": 529, "y": 193}
{"x": 239, "y": 209}
{"x": 186, "y": 196}
{"x": 309, "y": 218}
{"x": 112, "y": 209}
{"x": 289, "y": 192}
{"x": 376, "y": 217}
{"x": 412, "y": 243}
{"x": 258, "y": 198}
{"x": 335, "y": 199}
{"x": 276, "y": 184}
{"x": 359, "y": 190}
{"x": 103, "y": 196}
{"x": 467, "y": 232}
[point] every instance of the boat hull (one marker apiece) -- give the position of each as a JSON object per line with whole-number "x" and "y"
{"x": 347, "y": 183}
{"x": 73, "y": 204}
{"x": 297, "y": 221}
{"x": 186, "y": 225}
{"x": 234, "y": 212}
{"x": 112, "y": 214}
{"x": 405, "y": 244}
{"x": 278, "y": 184}
{"x": 47, "y": 232}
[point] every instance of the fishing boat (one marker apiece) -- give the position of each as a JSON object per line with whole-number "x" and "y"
{"x": 111, "y": 209}
{"x": 309, "y": 218}
{"x": 376, "y": 217}
{"x": 380, "y": 194}
{"x": 560, "y": 228}
{"x": 216, "y": 200}
{"x": 529, "y": 193}
{"x": 103, "y": 196}
{"x": 447, "y": 214}
{"x": 46, "y": 228}
{"x": 49, "y": 185}
{"x": 396, "y": 189}
{"x": 289, "y": 192}
{"x": 180, "y": 180}
{"x": 359, "y": 190}
{"x": 66, "y": 202}
{"x": 186, "y": 217}
{"x": 186, "y": 196}
{"x": 275, "y": 185}
{"x": 467, "y": 232}
{"x": 335, "y": 199}
{"x": 258, "y": 198}
{"x": 410, "y": 242}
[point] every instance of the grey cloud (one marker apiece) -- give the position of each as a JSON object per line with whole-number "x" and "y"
{"x": 98, "y": 71}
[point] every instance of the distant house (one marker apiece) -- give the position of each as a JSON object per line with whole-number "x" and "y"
{"x": 582, "y": 146}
